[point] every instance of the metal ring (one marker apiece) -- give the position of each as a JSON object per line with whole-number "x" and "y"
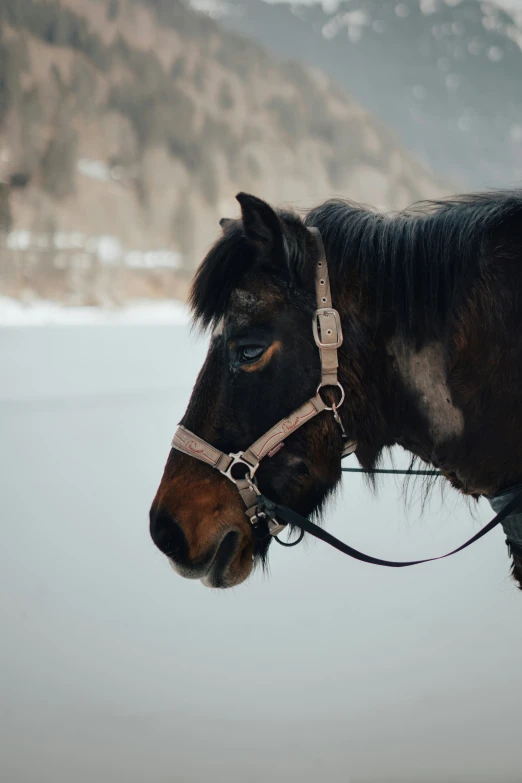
{"x": 237, "y": 460}
{"x": 343, "y": 395}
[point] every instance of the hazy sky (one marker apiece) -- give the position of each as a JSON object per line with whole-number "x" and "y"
{"x": 517, "y": 4}
{"x": 510, "y": 4}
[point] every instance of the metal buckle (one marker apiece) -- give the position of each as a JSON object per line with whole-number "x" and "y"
{"x": 265, "y": 513}
{"x": 339, "y": 421}
{"x": 237, "y": 459}
{"x": 327, "y": 311}
{"x": 274, "y": 527}
{"x": 336, "y": 405}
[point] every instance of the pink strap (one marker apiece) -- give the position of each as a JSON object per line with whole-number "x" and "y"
{"x": 283, "y": 429}
{"x": 191, "y": 444}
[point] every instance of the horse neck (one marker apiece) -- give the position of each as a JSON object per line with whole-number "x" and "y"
{"x": 364, "y": 371}
{"x": 398, "y": 390}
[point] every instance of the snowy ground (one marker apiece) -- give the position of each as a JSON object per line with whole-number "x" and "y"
{"x": 113, "y": 668}
{"x": 45, "y": 313}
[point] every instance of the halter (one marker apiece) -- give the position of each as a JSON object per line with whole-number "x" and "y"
{"x": 241, "y": 468}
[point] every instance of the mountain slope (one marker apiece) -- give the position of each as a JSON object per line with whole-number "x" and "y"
{"x": 446, "y": 75}
{"x": 129, "y": 125}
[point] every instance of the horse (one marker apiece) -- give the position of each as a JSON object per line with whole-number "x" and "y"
{"x": 430, "y": 307}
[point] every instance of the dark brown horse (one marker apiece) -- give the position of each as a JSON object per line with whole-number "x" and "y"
{"x": 431, "y": 308}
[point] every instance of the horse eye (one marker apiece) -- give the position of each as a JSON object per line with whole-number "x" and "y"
{"x": 250, "y": 353}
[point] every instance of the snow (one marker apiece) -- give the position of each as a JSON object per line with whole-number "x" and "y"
{"x": 106, "y": 248}
{"x": 47, "y": 313}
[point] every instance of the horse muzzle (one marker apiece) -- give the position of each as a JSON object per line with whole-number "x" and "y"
{"x": 224, "y": 558}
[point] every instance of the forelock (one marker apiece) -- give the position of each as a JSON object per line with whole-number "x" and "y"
{"x": 219, "y": 274}
{"x": 230, "y": 259}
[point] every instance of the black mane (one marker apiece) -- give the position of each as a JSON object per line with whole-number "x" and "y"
{"x": 417, "y": 264}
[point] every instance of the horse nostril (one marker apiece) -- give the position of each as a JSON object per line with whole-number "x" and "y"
{"x": 167, "y": 535}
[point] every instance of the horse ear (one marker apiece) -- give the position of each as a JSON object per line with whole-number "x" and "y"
{"x": 261, "y": 223}
{"x": 225, "y": 223}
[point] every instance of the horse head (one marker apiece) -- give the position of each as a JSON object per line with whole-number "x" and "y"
{"x": 255, "y": 291}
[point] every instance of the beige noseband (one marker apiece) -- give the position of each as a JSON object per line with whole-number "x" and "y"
{"x": 240, "y": 468}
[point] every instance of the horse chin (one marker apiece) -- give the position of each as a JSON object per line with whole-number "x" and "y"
{"x": 226, "y": 561}
{"x": 228, "y": 564}
{"x": 226, "y": 579}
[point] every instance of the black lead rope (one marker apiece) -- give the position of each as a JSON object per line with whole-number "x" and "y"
{"x": 282, "y": 513}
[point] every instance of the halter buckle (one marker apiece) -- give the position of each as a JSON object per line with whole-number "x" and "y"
{"x": 237, "y": 459}
{"x": 339, "y": 421}
{"x": 265, "y": 512}
{"x": 335, "y": 406}
{"x": 335, "y": 329}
